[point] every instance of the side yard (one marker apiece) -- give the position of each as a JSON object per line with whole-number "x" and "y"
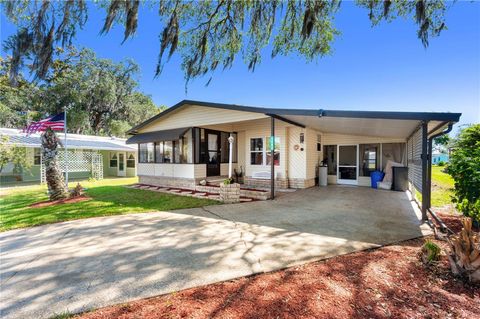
{"x": 105, "y": 197}
{"x": 442, "y": 185}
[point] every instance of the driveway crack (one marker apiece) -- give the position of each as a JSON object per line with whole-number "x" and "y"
{"x": 236, "y": 226}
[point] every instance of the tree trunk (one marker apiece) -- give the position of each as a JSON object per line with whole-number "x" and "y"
{"x": 55, "y": 181}
{"x": 465, "y": 252}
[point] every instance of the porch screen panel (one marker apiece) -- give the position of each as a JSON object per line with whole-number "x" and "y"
{"x": 394, "y": 152}
{"x": 414, "y": 160}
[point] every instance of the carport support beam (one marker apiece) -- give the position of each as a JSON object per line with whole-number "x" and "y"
{"x": 272, "y": 162}
{"x": 424, "y": 169}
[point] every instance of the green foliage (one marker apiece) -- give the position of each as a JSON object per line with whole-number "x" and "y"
{"x": 442, "y": 140}
{"x": 12, "y": 154}
{"x": 441, "y": 163}
{"x": 208, "y": 34}
{"x": 101, "y": 95}
{"x": 15, "y": 101}
{"x": 464, "y": 167}
{"x": 431, "y": 251}
{"x": 227, "y": 181}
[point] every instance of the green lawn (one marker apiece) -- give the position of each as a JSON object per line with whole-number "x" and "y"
{"x": 442, "y": 185}
{"x": 109, "y": 197}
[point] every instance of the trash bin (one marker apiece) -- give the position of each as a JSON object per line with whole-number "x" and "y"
{"x": 400, "y": 178}
{"x": 322, "y": 175}
{"x": 376, "y": 176}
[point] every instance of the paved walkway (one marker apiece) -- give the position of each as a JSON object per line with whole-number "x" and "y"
{"x": 79, "y": 265}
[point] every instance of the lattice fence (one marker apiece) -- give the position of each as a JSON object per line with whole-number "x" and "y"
{"x": 78, "y": 161}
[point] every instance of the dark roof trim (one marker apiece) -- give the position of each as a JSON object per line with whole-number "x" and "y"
{"x": 422, "y": 116}
{"x": 166, "y": 135}
{"x": 286, "y": 120}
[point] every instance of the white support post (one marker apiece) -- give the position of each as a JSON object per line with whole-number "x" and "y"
{"x": 230, "y": 155}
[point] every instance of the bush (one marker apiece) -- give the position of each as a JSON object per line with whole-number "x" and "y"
{"x": 464, "y": 167}
{"x": 441, "y": 163}
{"x": 430, "y": 252}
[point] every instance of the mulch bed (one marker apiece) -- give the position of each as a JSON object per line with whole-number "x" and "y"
{"x": 389, "y": 282}
{"x": 72, "y": 200}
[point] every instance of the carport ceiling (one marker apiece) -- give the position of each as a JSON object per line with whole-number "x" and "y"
{"x": 358, "y": 126}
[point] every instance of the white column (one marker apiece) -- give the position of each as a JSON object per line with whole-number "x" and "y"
{"x": 230, "y": 155}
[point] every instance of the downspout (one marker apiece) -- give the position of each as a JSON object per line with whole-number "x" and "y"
{"x": 425, "y": 185}
{"x": 429, "y": 179}
{"x": 430, "y": 148}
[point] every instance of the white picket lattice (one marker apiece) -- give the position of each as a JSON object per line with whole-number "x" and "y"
{"x": 78, "y": 161}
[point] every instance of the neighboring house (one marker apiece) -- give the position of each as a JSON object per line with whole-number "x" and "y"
{"x": 188, "y": 143}
{"x": 437, "y": 157}
{"x": 89, "y": 156}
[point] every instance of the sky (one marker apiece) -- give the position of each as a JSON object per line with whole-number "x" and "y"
{"x": 371, "y": 68}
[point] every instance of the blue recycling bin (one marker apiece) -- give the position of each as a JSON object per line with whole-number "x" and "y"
{"x": 376, "y": 176}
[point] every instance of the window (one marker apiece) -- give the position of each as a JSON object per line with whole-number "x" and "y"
{"x": 225, "y": 147}
{"x": 146, "y": 152}
{"x": 168, "y": 152}
{"x": 159, "y": 152}
{"x": 131, "y": 161}
{"x": 37, "y": 157}
{"x": 256, "y": 151}
{"x": 330, "y": 158}
{"x": 113, "y": 160}
{"x": 176, "y": 151}
{"x": 276, "y": 151}
{"x": 369, "y": 158}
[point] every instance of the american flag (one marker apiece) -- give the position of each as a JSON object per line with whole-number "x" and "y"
{"x": 56, "y": 123}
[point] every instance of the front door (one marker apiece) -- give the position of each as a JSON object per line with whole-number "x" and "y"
{"x": 121, "y": 165}
{"x": 213, "y": 152}
{"x": 347, "y": 164}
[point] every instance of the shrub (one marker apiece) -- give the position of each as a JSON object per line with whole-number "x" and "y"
{"x": 464, "y": 167}
{"x": 430, "y": 252}
{"x": 441, "y": 163}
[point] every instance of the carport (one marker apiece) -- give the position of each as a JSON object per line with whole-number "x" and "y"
{"x": 418, "y": 129}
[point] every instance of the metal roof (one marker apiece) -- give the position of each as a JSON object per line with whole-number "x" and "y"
{"x": 74, "y": 141}
{"x": 276, "y": 112}
{"x": 166, "y": 135}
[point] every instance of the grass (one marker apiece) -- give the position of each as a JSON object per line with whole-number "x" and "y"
{"x": 442, "y": 185}
{"x": 109, "y": 197}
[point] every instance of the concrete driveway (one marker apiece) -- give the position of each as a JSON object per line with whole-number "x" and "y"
{"x": 79, "y": 265}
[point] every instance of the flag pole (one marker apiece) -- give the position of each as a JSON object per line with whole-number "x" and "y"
{"x": 65, "y": 146}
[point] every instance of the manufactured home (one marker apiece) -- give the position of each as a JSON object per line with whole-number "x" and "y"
{"x": 283, "y": 148}
{"x": 88, "y": 156}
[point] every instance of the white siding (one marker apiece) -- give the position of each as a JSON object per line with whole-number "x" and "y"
{"x": 224, "y": 169}
{"x": 172, "y": 170}
{"x": 257, "y": 129}
{"x": 194, "y": 115}
{"x": 313, "y": 156}
{"x": 414, "y": 159}
{"x": 297, "y": 159}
